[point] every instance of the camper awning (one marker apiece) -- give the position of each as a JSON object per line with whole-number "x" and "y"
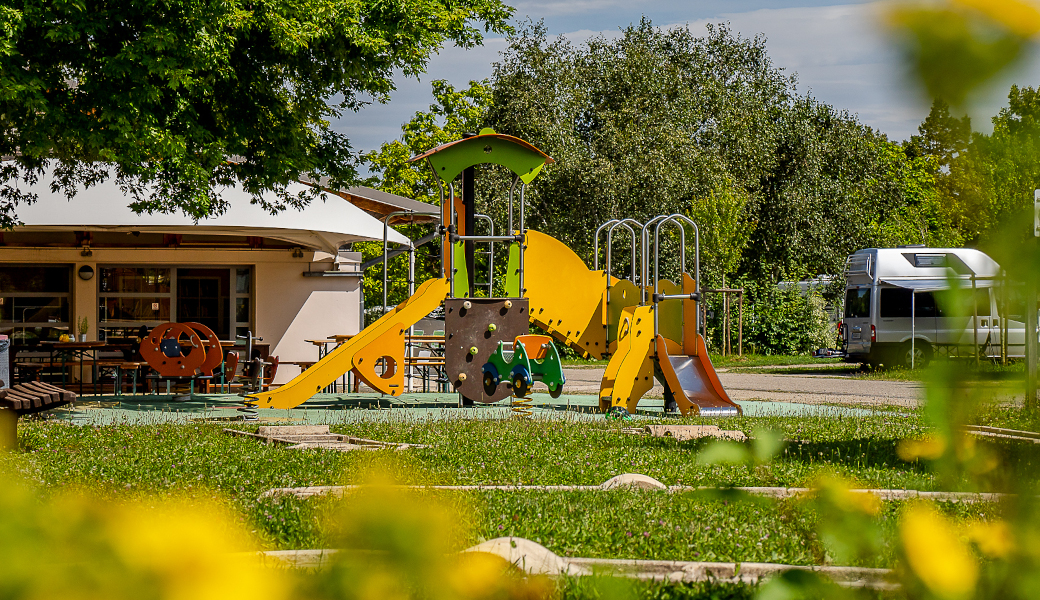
{"x": 326, "y": 224}
{"x": 925, "y": 285}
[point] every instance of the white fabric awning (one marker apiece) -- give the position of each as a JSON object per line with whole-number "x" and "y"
{"x": 929, "y": 285}
{"x": 326, "y": 224}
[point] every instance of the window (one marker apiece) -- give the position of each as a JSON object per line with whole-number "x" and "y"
{"x": 136, "y": 299}
{"x": 35, "y": 301}
{"x": 857, "y": 303}
{"x": 929, "y": 260}
{"x": 896, "y": 304}
{"x": 132, "y": 298}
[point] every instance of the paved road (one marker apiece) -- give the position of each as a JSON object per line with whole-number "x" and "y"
{"x": 810, "y": 389}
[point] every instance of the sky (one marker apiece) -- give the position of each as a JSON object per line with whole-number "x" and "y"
{"x": 839, "y": 52}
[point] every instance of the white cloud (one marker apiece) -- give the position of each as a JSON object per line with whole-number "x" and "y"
{"x": 840, "y": 55}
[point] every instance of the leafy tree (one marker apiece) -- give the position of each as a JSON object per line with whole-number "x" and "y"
{"x": 660, "y": 121}
{"x": 452, "y": 113}
{"x": 178, "y": 98}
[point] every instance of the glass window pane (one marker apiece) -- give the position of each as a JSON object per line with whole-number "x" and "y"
{"x": 53, "y": 280}
{"x": 895, "y": 303}
{"x": 34, "y": 309}
{"x": 134, "y": 280}
{"x": 242, "y": 281}
{"x": 242, "y": 310}
{"x": 138, "y": 310}
{"x": 857, "y": 303}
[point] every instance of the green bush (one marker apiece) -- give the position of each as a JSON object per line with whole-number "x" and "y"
{"x": 783, "y": 320}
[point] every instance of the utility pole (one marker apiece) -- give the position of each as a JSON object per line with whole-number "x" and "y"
{"x": 1030, "y": 302}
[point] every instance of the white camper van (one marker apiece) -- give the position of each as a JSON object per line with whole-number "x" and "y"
{"x": 898, "y": 306}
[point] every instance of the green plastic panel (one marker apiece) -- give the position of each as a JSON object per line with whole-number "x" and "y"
{"x": 513, "y": 272}
{"x": 489, "y": 148}
{"x": 460, "y": 279}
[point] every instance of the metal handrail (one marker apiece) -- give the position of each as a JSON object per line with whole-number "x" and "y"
{"x": 676, "y": 219}
{"x": 411, "y": 250}
{"x": 595, "y": 243}
{"x": 610, "y": 235}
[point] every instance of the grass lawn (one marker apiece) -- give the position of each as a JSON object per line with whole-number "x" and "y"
{"x": 126, "y": 461}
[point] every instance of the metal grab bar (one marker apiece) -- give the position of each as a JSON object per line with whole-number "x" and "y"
{"x": 624, "y": 223}
{"x": 610, "y": 235}
{"x": 595, "y": 243}
{"x": 677, "y": 220}
{"x": 645, "y": 256}
{"x": 410, "y": 250}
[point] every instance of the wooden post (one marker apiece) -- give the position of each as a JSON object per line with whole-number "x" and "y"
{"x": 8, "y": 429}
{"x": 725, "y": 324}
{"x": 740, "y": 323}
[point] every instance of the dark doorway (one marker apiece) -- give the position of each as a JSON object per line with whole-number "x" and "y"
{"x": 203, "y": 296}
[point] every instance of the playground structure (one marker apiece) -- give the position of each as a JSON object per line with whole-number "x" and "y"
{"x": 648, "y": 327}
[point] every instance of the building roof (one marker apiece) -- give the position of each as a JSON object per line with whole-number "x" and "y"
{"x": 326, "y": 224}
{"x": 380, "y": 204}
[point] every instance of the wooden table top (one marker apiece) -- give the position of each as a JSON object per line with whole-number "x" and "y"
{"x": 77, "y": 345}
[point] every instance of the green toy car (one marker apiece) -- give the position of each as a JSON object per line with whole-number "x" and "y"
{"x": 532, "y": 358}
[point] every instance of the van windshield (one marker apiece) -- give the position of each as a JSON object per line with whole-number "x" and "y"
{"x": 857, "y": 303}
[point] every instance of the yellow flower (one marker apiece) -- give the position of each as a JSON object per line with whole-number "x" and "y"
{"x": 192, "y": 552}
{"x": 930, "y": 447}
{"x": 1021, "y": 18}
{"x": 936, "y": 554}
{"x": 994, "y": 539}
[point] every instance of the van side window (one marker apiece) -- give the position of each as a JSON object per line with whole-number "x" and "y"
{"x": 857, "y": 303}
{"x": 896, "y": 303}
{"x": 982, "y": 301}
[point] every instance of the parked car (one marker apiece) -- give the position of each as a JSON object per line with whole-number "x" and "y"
{"x": 906, "y": 305}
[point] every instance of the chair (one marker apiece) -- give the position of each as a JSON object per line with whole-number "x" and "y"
{"x": 228, "y": 369}
{"x": 271, "y": 371}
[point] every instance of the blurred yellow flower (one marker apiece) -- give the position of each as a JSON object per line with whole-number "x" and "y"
{"x": 935, "y": 553}
{"x": 191, "y": 548}
{"x": 930, "y": 447}
{"x": 1021, "y": 18}
{"x": 993, "y": 538}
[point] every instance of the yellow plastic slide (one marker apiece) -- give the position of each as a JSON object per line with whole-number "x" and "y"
{"x": 377, "y": 353}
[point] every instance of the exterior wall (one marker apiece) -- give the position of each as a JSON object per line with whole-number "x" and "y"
{"x": 311, "y": 308}
{"x": 288, "y": 308}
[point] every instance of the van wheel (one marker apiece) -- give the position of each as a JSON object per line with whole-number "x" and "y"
{"x": 919, "y": 354}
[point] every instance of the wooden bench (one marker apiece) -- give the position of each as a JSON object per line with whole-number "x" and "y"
{"x": 26, "y": 399}
{"x": 33, "y": 397}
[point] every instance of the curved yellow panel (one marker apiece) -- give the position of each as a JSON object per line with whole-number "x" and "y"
{"x": 630, "y": 372}
{"x": 565, "y": 296}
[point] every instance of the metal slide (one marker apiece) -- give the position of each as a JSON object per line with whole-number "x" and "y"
{"x": 693, "y": 382}
{"x": 376, "y": 353}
